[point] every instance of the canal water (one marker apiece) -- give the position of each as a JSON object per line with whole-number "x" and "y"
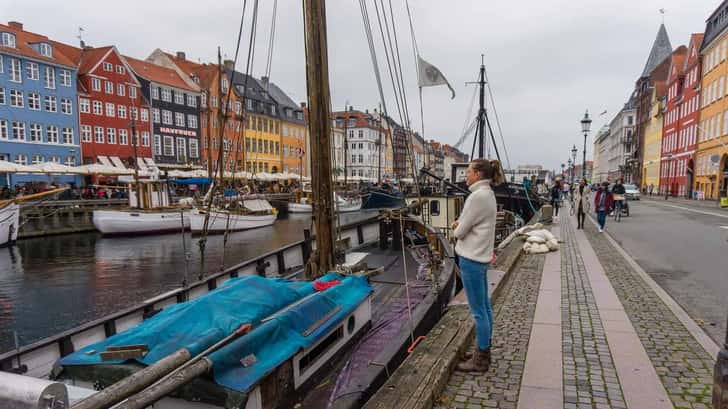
{"x": 52, "y": 284}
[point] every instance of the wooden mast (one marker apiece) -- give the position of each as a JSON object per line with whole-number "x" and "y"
{"x": 317, "y": 84}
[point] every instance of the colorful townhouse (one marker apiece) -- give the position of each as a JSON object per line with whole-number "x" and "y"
{"x": 295, "y": 156}
{"x": 677, "y": 131}
{"x": 651, "y": 153}
{"x": 38, "y": 109}
{"x": 711, "y": 163}
{"x": 115, "y": 119}
{"x": 174, "y": 101}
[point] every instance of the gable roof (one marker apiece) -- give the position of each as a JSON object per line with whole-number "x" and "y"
{"x": 696, "y": 41}
{"x": 677, "y": 63}
{"x": 23, "y": 41}
{"x": 158, "y": 74}
{"x": 661, "y": 49}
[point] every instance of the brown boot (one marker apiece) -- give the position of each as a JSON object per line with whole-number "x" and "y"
{"x": 479, "y": 362}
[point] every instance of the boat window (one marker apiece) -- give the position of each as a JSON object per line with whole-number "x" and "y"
{"x": 434, "y": 207}
{"x": 320, "y": 349}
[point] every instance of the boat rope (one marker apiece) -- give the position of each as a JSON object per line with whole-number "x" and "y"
{"x": 271, "y": 40}
{"x": 389, "y": 64}
{"x": 497, "y": 119}
{"x": 372, "y": 51}
{"x": 406, "y": 279}
{"x": 186, "y": 253}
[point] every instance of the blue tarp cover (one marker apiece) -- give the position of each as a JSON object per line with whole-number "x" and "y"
{"x": 191, "y": 181}
{"x": 199, "y": 323}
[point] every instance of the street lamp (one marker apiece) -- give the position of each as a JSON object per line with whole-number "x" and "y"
{"x": 585, "y": 125}
{"x": 573, "y": 155}
{"x": 571, "y": 171}
{"x": 562, "y": 170}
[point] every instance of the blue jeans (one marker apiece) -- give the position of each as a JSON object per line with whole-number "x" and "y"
{"x": 602, "y": 218}
{"x": 617, "y": 210}
{"x": 475, "y": 282}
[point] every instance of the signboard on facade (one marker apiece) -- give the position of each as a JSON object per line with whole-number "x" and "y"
{"x": 173, "y": 131}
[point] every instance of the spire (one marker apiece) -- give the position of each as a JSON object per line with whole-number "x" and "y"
{"x": 661, "y": 49}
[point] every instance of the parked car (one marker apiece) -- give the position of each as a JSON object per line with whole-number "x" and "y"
{"x": 631, "y": 192}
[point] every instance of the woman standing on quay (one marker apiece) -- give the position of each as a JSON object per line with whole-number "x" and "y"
{"x": 582, "y": 203}
{"x": 603, "y": 202}
{"x": 475, "y": 233}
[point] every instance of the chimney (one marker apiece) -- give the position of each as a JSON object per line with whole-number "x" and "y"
{"x": 16, "y": 25}
{"x": 181, "y": 55}
{"x": 228, "y": 64}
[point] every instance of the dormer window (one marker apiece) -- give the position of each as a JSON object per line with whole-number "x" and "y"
{"x": 45, "y": 50}
{"x": 7, "y": 39}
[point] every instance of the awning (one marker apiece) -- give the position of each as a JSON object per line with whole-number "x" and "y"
{"x": 140, "y": 164}
{"x": 117, "y": 162}
{"x": 105, "y": 161}
{"x": 150, "y": 162}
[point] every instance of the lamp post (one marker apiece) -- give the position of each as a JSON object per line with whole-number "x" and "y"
{"x": 585, "y": 125}
{"x": 573, "y": 156}
{"x": 562, "y": 170}
{"x": 570, "y": 168}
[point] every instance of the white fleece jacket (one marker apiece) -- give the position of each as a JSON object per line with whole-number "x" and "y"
{"x": 476, "y": 224}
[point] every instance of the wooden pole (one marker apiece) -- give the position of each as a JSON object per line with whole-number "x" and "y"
{"x": 317, "y": 84}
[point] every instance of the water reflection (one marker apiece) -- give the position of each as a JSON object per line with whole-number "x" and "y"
{"x": 51, "y": 284}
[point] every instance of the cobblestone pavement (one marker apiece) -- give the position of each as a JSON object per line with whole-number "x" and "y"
{"x": 590, "y": 379}
{"x": 513, "y": 316}
{"x": 683, "y": 366}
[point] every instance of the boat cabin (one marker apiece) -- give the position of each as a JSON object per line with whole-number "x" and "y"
{"x": 154, "y": 194}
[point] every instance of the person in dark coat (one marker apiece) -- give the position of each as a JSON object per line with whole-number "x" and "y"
{"x": 603, "y": 203}
{"x": 556, "y": 197}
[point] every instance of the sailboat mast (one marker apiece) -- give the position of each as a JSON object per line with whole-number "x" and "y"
{"x": 481, "y": 111}
{"x": 317, "y": 84}
{"x": 379, "y": 153}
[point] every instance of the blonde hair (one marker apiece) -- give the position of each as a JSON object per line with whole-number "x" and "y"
{"x": 489, "y": 169}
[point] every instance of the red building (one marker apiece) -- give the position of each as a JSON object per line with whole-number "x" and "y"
{"x": 110, "y": 105}
{"x": 680, "y": 126}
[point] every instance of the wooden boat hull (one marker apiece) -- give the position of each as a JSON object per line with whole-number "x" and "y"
{"x": 299, "y": 207}
{"x": 221, "y": 221}
{"x": 129, "y": 222}
{"x": 9, "y": 223}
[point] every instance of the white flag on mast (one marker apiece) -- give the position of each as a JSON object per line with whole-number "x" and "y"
{"x": 430, "y": 76}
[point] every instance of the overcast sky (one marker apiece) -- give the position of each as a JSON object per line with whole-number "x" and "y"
{"x": 547, "y": 60}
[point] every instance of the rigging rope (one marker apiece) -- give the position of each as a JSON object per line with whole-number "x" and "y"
{"x": 497, "y": 120}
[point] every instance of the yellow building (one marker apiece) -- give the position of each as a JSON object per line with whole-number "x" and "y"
{"x": 653, "y": 140}
{"x": 711, "y": 164}
{"x": 388, "y": 156}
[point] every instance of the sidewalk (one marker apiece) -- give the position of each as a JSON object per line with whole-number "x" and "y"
{"x": 699, "y": 204}
{"x": 585, "y": 328}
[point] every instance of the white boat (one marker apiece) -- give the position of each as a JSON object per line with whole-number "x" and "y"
{"x": 220, "y": 220}
{"x": 9, "y": 223}
{"x": 343, "y": 205}
{"x": 152, "y": 215}
{"x": 130, "y": 221}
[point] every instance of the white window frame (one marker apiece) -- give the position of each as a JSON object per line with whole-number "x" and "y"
{"x": 192, "y": 121}
{"x": 181, "y": 148}
{"x": 34, "y": 101}
{"x": 8, "y": 39}
{"x": 3, "y": 98}
{"x": 121, "y": 90}
{"x": 156, "y": 116}
{"x": 166, "y": 95}
{"x": 99, "y": 136}
{"x": 120, "y": 69}
{"x": 84, "y": 105}
{"x": 17, "y": 99}
{"x": 50, "y": 103}
{"x": 145, "y": 115}
{"x": 21, "y": 159}
{"x": 134, "y": 113}
{"x": 145, "y": 138}
{"x": 50, "y": 77}
{"x": 111, "y": 136}
{"x": 168, "y": 146}
{"x": 191, "y": 101}
{"x": 32, "y": 72}
{"x": 98, "y": 108}
{"x": 123, "y": 137}
{"x": 108, "y": 67}
{"x": 179, "y": 119}
{"x": 66, "y": 106}
{"x": 16, "y": 71}
{"x": 167, "y": 117}
{"x": 157, "y": 145}
{"x": 65, "y": 77}
{"x": 18, "y": 130}
{"x": 179, "y": 98}
{"x": 3, "y": 129}
{"x": 121, "y": 111}
{"x": 132, "y": 92}
{"x": 86, "y": 133}
{"x": 67, "y": 136}
{"x": 52, "y": 134}
{"x": 36, "y": 133}
{"x": 109, "y": 87}
{"x": 194, "y": 148}
{"x": 95, "y": 84}
{"x": 110, "y": 110}
{"x": 155, "y": 92}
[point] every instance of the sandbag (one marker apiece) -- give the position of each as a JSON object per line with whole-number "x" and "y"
{"x": 552, "y": 244}
{"x": 535, "y": 239}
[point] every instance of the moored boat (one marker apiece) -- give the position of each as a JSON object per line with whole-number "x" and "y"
{"x": 252, "y": 214}
{"x": 384, "y": 197}
{"x": 130, "y": 221}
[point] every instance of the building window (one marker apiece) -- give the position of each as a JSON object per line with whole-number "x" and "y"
{"x": 85, "y": 133}
{"x": 15, "y": 71}
{"x": 2, "y": 96}
{"x": 166, "y": 117}
{"x": 213, "y": 101}
{"x": 166, "y": 95}
{"x": 179, "y": 119}
{"x": 3, "y": 129}
{"x": 111, "y": 135}
{"x": 34, "y": 101}
{"x": 109, "y": 87}
{"x": 157, "y": 145}
{"x": 50, "y": 78}
{"x": 36, "y": 133}
{"x": 66, "y": 106}
{"x": 68, "y": 136}
{"x": 122, "y": 111}
{"x": 120, "y": 90}
{"x": 65, "y": 78}
{"x": 249, "y": 104}
{"x": 155, "y": 92}
{"x": 110, "y": 109}
{"x": 95, "y": 84}
{"x": 98, "y": 110}
{"x": 123, "y": 137}
{"x": 16, "y": 98}
{"x": 194, "y": 150}
{"x": 132, "y": 92}
{"x": 191, "y": 101}
{"x": 179, "y": 98}
{"x": 2, "y": 68}
{"x": 37, "y": 159}
{"x": 70, "y": 161}
{"x": 99, "y": 134}
{"x": 192, "y": 121}
{"x": 145, "y": 115}
{"x": 52, "y": 134}
{"x": 155, "y": 115}
{"x": 21, "y": 159}
{"x": 50, "y": 103}
{"x": 31, "y": 70}
{"x": 134, "y": 113}
{"x": 145, "y": 138}
{"x": 108, "y": 67}
{"x": 168, "y": 146}
{"x": 7, "y": 39}
{"x": 84, "y": 105}
{"x": 19, "y": 130}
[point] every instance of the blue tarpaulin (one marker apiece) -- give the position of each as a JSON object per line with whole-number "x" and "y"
{"x": 199, "y": 323}
{"x": 191, "y": 181}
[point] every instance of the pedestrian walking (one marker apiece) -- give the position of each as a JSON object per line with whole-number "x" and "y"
{"x": 603, "y": 202}
{"x": 556, "y": 196}
{"x": 652, "y": 187}
{"x": 475, "y": 233}
{"x": 582, "y": 202}
{"x": 618, "y": 192}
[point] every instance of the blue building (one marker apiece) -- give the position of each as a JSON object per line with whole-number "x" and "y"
{"x": 38, "y": 104}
